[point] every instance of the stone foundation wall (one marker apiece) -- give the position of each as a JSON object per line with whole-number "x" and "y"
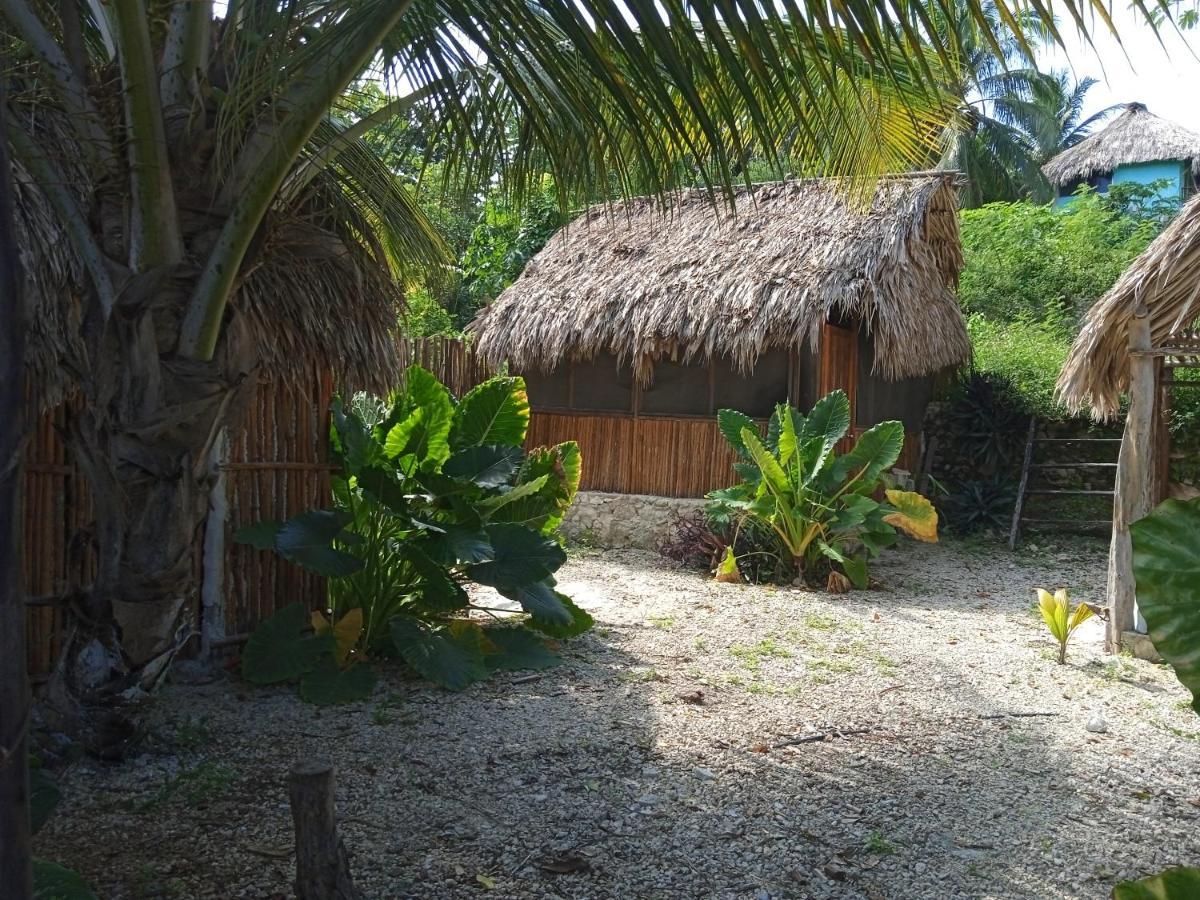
{"x": 624, "y": 521}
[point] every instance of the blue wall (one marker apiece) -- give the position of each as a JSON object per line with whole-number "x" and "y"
{"x": 1172, "y": 171}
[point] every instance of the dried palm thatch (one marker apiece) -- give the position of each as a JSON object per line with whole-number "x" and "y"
{"x": 695, "y": 282}
{"x": 321, "y": 289}
{"x": 1165, "y": 281}
{"x": 1135, "y": 136}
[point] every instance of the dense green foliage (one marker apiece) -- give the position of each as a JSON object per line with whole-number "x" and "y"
{"x": 820, "y": 503}
{"x": 1031, "y": 272}
{"x": 432, "y": 494}
{"x": 1046, "y": 265}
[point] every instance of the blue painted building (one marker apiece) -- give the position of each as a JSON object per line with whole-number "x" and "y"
{"x": 1137, "y": 146}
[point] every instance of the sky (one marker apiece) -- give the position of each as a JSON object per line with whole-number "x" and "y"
{"x": 1166, "y": 80}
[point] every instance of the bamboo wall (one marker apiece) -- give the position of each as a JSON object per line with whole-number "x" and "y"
{"x": 668, "y": 457}
{"x": 276, "y": 465}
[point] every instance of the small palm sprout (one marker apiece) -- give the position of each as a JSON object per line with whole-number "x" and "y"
{"x": 1059, "y": 619}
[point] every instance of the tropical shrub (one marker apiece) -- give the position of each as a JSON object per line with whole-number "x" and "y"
{"x": 432, "y": 494}
{"x": 1179, "y": 883}
{"x": 702, "y": 539}
{"x": 1166, "y": 570}
{"x": 821, "y": 504}
{"x": 1056, "y": 613}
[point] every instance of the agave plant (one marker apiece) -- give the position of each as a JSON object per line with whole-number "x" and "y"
{"x": 822, "y": 504}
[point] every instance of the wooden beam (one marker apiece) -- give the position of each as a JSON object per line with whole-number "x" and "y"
{"x": 1135, "y": 479}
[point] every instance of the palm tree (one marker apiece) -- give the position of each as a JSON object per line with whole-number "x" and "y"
{"x": 168, "y": 144}
{"x": 1056, "y": 122}
{"x": 995, "y": 76}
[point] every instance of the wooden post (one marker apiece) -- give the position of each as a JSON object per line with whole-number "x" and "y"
{"x": 1135, "y": 478}
{"x": 322, "y": 864}
{"x": 16, "y": 879}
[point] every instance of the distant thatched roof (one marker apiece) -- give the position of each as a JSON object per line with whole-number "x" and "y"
{"x": 1166, "y": 280}
{"x": 696, "y": 282}
{"x": 1135, "y": 136}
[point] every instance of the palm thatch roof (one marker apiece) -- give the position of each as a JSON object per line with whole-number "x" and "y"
{"x": 320, "y": 290}
{"x": 1135, "y": 136}
{"x": 1165, "y": 282}
{"x": 695, "y": 282}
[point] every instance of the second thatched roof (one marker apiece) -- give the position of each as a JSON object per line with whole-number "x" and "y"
{"x": 1135, "y": 136}
{"x": 697, "y": 282}
{"x": 1164, "y": 284}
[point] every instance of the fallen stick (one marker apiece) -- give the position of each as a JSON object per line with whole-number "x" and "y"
{"x": 819, "y": 736}
{"x": 1018, "y": 715}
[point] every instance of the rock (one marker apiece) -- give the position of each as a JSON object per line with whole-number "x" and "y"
{"x": 1097, "y": 724}
{"x": 703, "y": 774}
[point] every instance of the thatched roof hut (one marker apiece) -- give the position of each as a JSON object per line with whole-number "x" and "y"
{"x": 1163, "y": 285}
{"x": 1132, "y": 341}
{"x": 1135, "y": 136}
{"x": 694, "y": 282}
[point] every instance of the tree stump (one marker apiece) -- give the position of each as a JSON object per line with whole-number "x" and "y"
{"x": 322, "y": 864}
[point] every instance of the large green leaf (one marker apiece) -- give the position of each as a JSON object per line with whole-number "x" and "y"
{"x": 1166, "y": 570}
{"x": 437, "y": 592}
{"x": 581, "y": 621}
{"x": 521, "y": 557}
{"x": 495, "y": 412}
{"x": 54, "y": 882}
{"x": 732, "y": 423}
{"x": 328, "y": 684}
{"x": 543, "y": 510}
{"x": 352, "y": 440}
{"x": 307, "y": 540}
{"x": 876, "y": 451}
{"x": 825, "y": 425}
{"x": 515, "y": 493}
{"x": 279, "y": 650}
{"x": 423, "y": 391}
{"x": 487, "y": 465}
{"x": 260, "y": 535}
{"x": 452, "y": 657}
{"x": 1180, "y": 883}
{"x": 459, "y": 544}
{"x": 539, "y": 600}
{"x": 512, "y": 649}
{"x": 773, "y": 474}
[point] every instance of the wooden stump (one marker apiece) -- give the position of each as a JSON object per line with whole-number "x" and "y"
{"x": 322, "y": 864}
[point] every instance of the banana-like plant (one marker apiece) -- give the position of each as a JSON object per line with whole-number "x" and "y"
{"x": 1062, "y": 622}
{"x": 820, "y": 503}
{"x": 432, "y": 494}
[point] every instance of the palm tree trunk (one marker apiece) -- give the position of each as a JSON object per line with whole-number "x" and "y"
{"x": 143, "y": 441}
{"x": 16, "y": 879}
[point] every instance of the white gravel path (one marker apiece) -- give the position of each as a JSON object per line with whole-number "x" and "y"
{"x": 656, "y": 762}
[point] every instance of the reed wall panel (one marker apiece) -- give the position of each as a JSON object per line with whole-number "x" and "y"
{"x": 276, "y": 465}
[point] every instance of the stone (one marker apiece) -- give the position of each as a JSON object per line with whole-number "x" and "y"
{"x": 625, "y": 521}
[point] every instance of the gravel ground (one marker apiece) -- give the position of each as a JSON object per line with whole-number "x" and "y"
{"x": 668, "y": 757}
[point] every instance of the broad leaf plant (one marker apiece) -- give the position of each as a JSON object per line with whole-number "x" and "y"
{"x": 433, "y": 495}
{"x": 822, "y": 504}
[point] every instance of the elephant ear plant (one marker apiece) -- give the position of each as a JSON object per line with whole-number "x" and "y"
{"x": 432, "y": 495}
{"x": 822, "y": 504}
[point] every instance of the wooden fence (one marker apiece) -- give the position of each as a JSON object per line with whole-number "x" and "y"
{"x": 275, "y": 464}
